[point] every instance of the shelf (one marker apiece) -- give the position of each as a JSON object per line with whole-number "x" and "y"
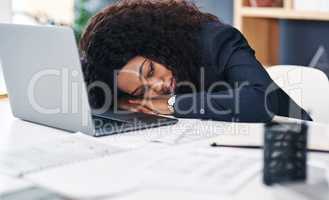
{"x": 266, "y": 40}
{"x": 282, "y": 13}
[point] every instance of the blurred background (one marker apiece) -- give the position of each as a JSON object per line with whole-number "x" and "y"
{"x": 76, "y": 13}
{"x": 281, "y": 31}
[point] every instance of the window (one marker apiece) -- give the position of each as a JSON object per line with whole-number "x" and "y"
{"x": 41, "y": 11}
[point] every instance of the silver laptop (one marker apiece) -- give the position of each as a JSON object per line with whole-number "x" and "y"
{"x": 45, "y": 84}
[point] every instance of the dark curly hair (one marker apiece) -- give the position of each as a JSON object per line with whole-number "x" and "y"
{"x": 161, "y": 30}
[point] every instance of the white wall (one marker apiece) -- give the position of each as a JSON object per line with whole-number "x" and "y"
{"x": 5, "y": 11}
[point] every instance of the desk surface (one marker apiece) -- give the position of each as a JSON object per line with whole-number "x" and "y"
{"x": 15, "y": 132}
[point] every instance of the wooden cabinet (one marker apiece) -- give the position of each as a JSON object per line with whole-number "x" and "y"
{"x": 261, "y": 26}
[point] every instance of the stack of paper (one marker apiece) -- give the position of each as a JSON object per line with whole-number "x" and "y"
{"x": 62, "y": 151}
{"x": 318, "y": 136}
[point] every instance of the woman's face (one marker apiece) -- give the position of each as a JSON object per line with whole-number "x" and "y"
{"x": 142, "y": 77}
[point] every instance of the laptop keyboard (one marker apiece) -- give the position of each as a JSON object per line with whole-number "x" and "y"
{"x": 107, "y": 126}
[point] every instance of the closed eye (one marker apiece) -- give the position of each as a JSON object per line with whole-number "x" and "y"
{"x": 151, "y": 70}
{"x": 140, "y": 92}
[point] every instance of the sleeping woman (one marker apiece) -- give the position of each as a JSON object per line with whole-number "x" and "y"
{"x": 167, "y": 57}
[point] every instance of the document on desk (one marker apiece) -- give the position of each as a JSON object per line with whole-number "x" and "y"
{"x": 14, "y": 188}
{"x": 192, "y": 130}
{"x": 201, "y": 170}
{"x": 68, "y": 149}
{"x": 251, "y": 135}
{"x": 9, "y": 184}
{"x": 198, "y": 170}
{"x": 184, "y": 132}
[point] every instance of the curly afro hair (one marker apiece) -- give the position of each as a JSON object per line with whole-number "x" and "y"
{"x": 164, "y": 31}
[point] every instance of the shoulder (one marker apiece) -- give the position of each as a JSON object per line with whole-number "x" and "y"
{"x": 213, "y": 28}
{"x": 218, "y": 35}
{"x": 219, "y": 41}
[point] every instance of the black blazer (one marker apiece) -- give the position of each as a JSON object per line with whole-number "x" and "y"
{"x": 236, "y": 86}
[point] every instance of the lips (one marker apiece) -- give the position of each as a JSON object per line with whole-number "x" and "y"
{"x": 170, "y": 89}
{"x": 172, "y": 85}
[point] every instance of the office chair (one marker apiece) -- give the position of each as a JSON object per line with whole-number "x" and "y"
{"x": 307, "y": 86}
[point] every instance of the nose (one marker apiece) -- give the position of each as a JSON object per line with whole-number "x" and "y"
{"x": 156, "y": 85}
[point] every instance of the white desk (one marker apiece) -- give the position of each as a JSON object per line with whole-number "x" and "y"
{"x": 15, "y": 132}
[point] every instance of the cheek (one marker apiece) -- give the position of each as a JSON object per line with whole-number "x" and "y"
{"x": 122, "y": 85}
{"x": 126, "y": 83}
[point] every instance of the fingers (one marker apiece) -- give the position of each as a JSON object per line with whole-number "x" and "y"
{"x": 145, "y": 110}
{"x": 145, "y": 105}
{"x": 148, "y": 111}
{"x": 156, "y": 106}
{"x": 137, "y": 101}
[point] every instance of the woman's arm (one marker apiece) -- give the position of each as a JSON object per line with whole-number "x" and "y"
{"x": 243, "y": 100}
{"x": 250, "y": 94}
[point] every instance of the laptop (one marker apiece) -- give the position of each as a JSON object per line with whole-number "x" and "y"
{"x": 45, "y": 83}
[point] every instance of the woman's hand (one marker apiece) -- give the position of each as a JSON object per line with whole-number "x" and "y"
{"x": 156, "y": 105}
{"x": 134, "y": 107}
